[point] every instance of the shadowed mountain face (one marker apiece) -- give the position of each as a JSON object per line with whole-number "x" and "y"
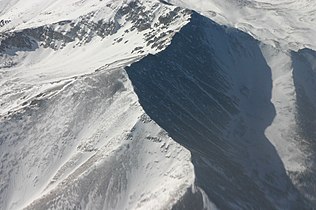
{"x": 211, "y": 90}
{"x": 74, "y": 134}
{"x": 304, "y": 76}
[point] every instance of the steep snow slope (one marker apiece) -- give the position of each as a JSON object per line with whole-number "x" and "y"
{"x": 286, "y": 30}
{"x": 215, "y": 100}
{"x": 72, "y": 133}
{"x": 90, "y": 146}
{"x": 81, "y": 46}
{"x": 304, "y": 77}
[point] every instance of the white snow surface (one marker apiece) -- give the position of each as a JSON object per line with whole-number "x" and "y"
{"x": 285, "y": 24}
{"x": 44, "y": 68}
{"x": 282, "y": 131}
{"x": 72, "y": 132}
{"x": 91, "y": 148}
{"x": 33, "y": 13}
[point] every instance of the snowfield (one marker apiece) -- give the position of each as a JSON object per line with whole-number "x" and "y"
{"x": 102, "y": 153}
{"x": 284, "y": 24}
{"x": 72, "y": 132}
{"x": 175, "y": 104}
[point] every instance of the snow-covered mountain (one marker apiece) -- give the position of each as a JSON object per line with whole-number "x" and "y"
{"x": 134, "y": 104}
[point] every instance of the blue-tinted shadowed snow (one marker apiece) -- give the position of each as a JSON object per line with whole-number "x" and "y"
{"x": 304, "y": 76}
{"x": 211, "y": 91}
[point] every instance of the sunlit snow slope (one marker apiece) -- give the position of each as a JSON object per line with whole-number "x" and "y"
{"x": 285, "y": 24}
{"x": 72, "y": 133}
{"x": 135, "y": 104}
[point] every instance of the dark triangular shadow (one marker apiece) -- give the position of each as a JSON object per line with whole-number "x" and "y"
{"x": 210, "y": 89}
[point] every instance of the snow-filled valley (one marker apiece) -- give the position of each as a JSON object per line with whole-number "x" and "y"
{"x": 180, "y": 104}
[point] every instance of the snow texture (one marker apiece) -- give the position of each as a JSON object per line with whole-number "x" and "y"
{"x": 134, "y": 104}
